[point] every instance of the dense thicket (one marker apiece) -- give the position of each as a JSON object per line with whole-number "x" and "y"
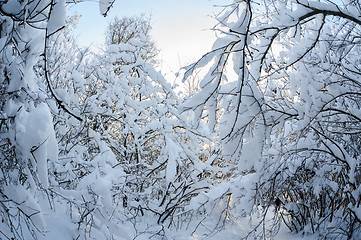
{"x": 98, "y": 146}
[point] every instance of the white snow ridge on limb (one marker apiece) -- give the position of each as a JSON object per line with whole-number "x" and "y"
{"x": 104, "y": 6}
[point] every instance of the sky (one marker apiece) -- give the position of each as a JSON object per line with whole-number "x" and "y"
{"x": 180, "y": 27}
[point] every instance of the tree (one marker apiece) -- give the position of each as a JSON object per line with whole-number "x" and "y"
{"x": 289, "y": 120}
{"x": 159, "y": 148}
{"x": 131, "y": 155}
{"x": 28, "y": 102}
{"x": 27, "y": 133}
{"x": 134, "y": 31}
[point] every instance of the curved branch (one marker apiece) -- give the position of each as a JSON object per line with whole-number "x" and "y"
{"x": 47, "y": 77}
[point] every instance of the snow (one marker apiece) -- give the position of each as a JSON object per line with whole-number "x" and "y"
{"x": 57, "y": 17}
{"x": 115, "y": 48}
{"x": 27, "y": 203}
{"x": 36, "y": 137}
{"x": 104, "y": 6}
{"x": 11, "y": 6}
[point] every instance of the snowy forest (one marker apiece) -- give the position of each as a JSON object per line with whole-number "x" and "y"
{"x": 264, "y": 141}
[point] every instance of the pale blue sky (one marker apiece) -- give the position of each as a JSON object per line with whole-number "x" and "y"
{"x": 179, "y": 26}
